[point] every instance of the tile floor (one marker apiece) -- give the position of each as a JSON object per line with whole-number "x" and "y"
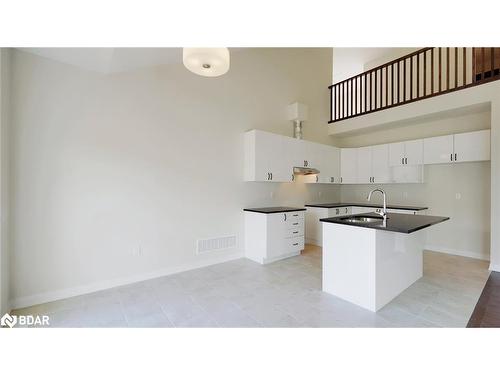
{"x": 287, "y": 293}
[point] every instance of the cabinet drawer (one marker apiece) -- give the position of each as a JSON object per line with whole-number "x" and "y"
{"x": 295, "y": 232}
{"x": 294, "y": 215}
{"x": 294, "y": 244}
{"x": 294, "y": 223}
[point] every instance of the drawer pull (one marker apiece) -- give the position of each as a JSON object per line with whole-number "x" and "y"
{"x": 295, "y": 224}
{"x": 295, "y": 232}
{"x": 295, "y": 244}
{"x": 296, "y": 215}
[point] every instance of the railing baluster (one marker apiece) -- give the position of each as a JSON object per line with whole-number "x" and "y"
{"x": 456, "y": 67}
{"x": 483, "y": 66}
{"x": 432, "y": 71}
{"x": 425, "y": 73}
{"x": 399, "y": 82}
{"x": 386, "y": 86}
{"x": 366, "y": 92}
{"x": 473, "y": 64}
{"x": 331, "y": 105}
{"x": 371, "y": 91}
{"x": 440, "y": 69}
{"x": 418, "y": 76}
{"x": 381, "y": 96}
{"x": 392, "y": 84}
{"x": 464, "y": 65}
{"x": 492, "y": 51}
{"x": 404, "y": 80}
{"x": 375, "y": 91}
{"x": 411, "y": 78}
{"x": 351, "y": 96}
{"x": 447, "y": 68}
{"x": 355, "y": 95}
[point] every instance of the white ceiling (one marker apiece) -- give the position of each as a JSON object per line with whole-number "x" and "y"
{"x": 111, "y": 60}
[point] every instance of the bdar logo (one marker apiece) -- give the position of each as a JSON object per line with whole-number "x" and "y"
{"x": 8, "y": 320}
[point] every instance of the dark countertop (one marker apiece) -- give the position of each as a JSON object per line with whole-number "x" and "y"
{"x": 273, "y": 210}
{"x": 401, "y": 223}
{"x": 390, "y": 206}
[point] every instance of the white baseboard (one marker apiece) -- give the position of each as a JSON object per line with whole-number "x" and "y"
{"x": 495, "y": 267}
{"x": 463, "y": 253}
{"x": 37, "y": 299}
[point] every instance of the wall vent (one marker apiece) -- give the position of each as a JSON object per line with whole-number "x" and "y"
{"x": 218, "y": 243}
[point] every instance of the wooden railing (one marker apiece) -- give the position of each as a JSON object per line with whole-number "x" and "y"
{"x": 422, "y": 74}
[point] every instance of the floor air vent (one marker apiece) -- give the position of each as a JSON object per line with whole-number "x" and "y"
{"x": 219, "y": 243}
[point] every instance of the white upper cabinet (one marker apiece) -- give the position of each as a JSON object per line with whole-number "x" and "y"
{"x": 271, "y": 157}
{"x": 414, "y": 152}
{"x": 364, "y": 165}
{"x": 473, "y": 146}
{"x": 348, "y": 165}
{"x": 396, "y": 154}
{"x": 373, "y": 164}
{"x": 406, "y": 153}
{"x": 381, "y": 173}
{"x": 327, "y": 160}
{"x": 438, "y": 150}
{"x": 264, "y": 159}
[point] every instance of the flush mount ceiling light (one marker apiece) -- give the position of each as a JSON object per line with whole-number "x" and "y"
{"x": 207, "y": 62}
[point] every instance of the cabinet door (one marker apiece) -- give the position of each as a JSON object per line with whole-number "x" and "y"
{"x": 348, "y": 165}
{"x": 334, "y": 165}
{"x": 276, "y": 229}
{"x": 414, "y": 152}
{"x": 329, "y": 165}
{"x": 474, "y": 146}
{"x": 396, "y": 154}
{"x": 293, "y": 154}
{"x": 266, "y": 151}
{"x": 381, "y": 172}
{"x": 438, "y": 150}
{"x": 364, "y": 165}
{"x": 312, "y": 155}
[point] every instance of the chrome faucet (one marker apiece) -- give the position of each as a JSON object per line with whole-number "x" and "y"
{"x": 384, "y": 210}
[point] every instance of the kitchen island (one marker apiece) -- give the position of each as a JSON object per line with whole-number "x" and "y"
{"x": 369, "y": 262}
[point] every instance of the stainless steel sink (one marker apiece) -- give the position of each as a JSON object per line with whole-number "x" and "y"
{"x": 362, "y": 219}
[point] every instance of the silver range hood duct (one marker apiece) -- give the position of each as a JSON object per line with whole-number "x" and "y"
{"x": 304, "y": 171}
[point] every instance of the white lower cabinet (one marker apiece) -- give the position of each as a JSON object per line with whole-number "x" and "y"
{"x": 270, "y": 237}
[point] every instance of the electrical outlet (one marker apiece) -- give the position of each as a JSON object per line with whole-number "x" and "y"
{"x": 458, "y": 196}
{"x": 137, "y": 251}
{"x": 272, "y": 194}
{"x": 319, "y": 194}
{"x": 405, "y": 195}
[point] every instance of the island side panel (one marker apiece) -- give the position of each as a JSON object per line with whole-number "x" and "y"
{"x": 349, "y": 258}
{"x": 398, "y": 263}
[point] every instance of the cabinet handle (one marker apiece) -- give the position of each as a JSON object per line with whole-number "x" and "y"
{"x": 295, "y": 232}
{"x": 271, "y": 175}
{"x": 284, "y": 216}
{"x": 295, "y": 223}
{"x": 341, "y": 179}
{"x": 402, "y": 160}
{"x": 317, "y": 178}
{"x": 293, "y": 177}
{"x": 406, "y": 161}
{"x": 337, "y": 211}
{"x": 296, "y": 215}
{"x": 295, "y": 244}
{"x": 451, "y": 157}
{"x": 455, "y": 157}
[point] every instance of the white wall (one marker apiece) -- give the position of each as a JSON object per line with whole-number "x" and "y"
{"x": 4, "y": 181}
{"x": 105, "y": 164}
